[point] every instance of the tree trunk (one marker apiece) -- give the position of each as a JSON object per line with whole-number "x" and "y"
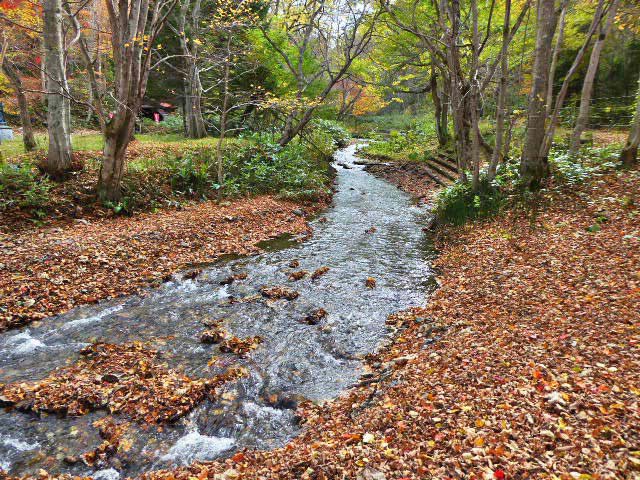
{"x": 189, "y": 21}
{"x": 511, "y": 121}
{"x": 93, "y": 69}
{"x": 589, "y": 78}
{"x": 440, "y": 112}
{"x": 444, "y": 135}
{"x": 556, "y": 53}
{"x": 292, "y": 130}
{"x": 59, "y": 156}
{"x": 475, "y": 95}
{"x": 534, "y": 167}
{"x": 564, "y": 89}
{"x": 458, "y": 92}
{"x": 194, "y": 122}
{"x": 629, "y": 154}
{"x": 223, "y": 119}
{"x": 27, "y": 129}
{"x": 113, "y": 160}
{"x": 502, "y": 92}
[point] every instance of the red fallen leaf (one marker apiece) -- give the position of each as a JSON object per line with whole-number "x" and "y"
{"x": 351, "y": 438}
{"x": 499, "y": 475}
{"x": 238, "y": 457}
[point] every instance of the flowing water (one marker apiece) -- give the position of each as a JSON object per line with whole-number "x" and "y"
{"x": 295, "y": 360}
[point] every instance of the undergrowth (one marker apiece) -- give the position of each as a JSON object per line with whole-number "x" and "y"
{"x": 459, "y": 203}
{"x": 22, "y": 186}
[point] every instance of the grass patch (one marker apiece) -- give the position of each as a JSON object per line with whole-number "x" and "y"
{"x": 167, "y": 170}
{"x": 412, "y": 145}
{"x": 95, "y": 142}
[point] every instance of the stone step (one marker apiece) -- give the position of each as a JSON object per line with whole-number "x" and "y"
{"x": 446, "y": 163}
{"x": 441, "y": 170}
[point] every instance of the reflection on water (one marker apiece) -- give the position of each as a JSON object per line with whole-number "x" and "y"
{"x": 295, "y": 359}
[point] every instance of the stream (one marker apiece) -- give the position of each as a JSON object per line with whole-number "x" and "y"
{"x": 295, "y": 360}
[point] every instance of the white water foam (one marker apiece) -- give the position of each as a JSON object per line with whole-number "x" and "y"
{"x": 22, "y": 343}
{"x": 197, "y": 447}
{"x": 14, "y": 445}
{"x": 19, "y": 445}
{"x": 81, "y": 322}
{"x": 253, "y": 410}
{"x": 106, "y": 474}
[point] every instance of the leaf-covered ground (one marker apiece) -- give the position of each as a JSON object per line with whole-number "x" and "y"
{"x": 75, "y": 197}
{"x": 46, "y": 271}
{"x": 410, "y": 177}
{"x": 123, "y": 379}
{"x": 524, "y": 364}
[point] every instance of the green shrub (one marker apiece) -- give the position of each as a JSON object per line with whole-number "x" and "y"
{"x": 123, "y": 207}
{"x": 22, "y": 186}
{"x": 458, "y": 202}
{"x": 340, "y": 135}
{"x": 318, "y": 143}
{"x": 172, "y": 124}
{"x": 263, "y": 166}
{"x": 193, "y": 172}
{"x": 589, "y": 162}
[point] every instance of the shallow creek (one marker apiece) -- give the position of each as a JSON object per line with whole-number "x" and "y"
{"x": 295, "y": 359}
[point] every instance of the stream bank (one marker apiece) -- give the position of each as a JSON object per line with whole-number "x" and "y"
{"x": 48, "y": 271}
{"x": 299, "y": 323}
{"x": 524, "y": 363}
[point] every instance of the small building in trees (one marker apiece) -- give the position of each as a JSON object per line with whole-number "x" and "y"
{"x": 157, "y": 111}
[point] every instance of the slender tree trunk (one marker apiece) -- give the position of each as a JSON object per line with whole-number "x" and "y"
{"x": 195, "y": 127}
{"x": 93, "y": 70}
{"x": 511, "y": 121}
{"x": 458, "y": 92}
{"x": 445, "y": 135}
{"x": 43, "y": 72}
{"x": 475, "y": 94}
{"x": 189, "y": 21}
{"x": 27, "y": 129}
{"x": 534, "y": 167}
{"x": 59, "y": 156}
{"x": 589, "y": 79}
{"x": 629, "y": 154}
{"x": 440, "y": 114}
{"x": 287, "y": 131}
{"x": 564, "y": 89}
{"x": 223, "y": 119}
{"x": 502, "y": 92}
{"x": 556, "y": 53}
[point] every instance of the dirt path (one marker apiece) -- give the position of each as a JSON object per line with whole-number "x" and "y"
{"x": 48, "y": 271}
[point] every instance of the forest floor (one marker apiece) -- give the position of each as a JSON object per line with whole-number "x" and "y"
{"x": 524, "y": 364}
{"x": 410, "y": 177}
{"x": 48, "y": 270}
{"x": 147, "y": 184}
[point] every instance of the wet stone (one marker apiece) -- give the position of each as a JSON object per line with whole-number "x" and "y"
{"x": 214, "y": 335}
{"x": 315, "y": 317}
{"x": 279, "y": 292}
